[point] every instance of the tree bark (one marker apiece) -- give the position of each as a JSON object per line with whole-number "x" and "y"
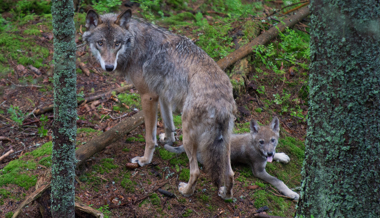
{"x": 341, "y": 171}
{"x": 65, "y": 114}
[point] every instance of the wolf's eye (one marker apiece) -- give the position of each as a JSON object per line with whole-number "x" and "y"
{"x": 261, "y": 142}
{"x": 117, "y": 44}
{"x": 272, "y": 140}
{"x": 100, "y": 43}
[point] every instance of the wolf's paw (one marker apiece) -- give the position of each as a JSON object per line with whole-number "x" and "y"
{"x": 292, "y": 194}
{"x": 161, "y": 137}
{"x": 282, "y": 157}
{"x": 182, "y": 189}
{"x": 140, "y": 160}
{"x": 222, "y": 193}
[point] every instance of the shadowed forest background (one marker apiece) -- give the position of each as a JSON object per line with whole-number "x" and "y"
{"x": 272, "y": 80}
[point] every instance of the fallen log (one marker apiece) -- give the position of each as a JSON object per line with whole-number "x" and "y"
{"x": 99, "y": 143}
{"x": 91, "y": 98}
{"x": 263, "y": 38}
{"x": 88, "y": 150}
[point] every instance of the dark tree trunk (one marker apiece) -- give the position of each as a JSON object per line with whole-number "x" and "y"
{"x": 341, "y": 171}
{"x": 65, "y": 114}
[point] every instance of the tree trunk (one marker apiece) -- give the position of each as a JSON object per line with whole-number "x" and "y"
{"x": 65, "y": 114}
{"x": 341, "y": 171}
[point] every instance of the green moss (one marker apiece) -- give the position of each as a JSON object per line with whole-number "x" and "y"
{"x": 177, "y": 119}
{"x": 205, "y": 198}
{"x": 155, "y": 199}
{"x": 131, "y": 100}
{"x": 9, "y": 215}
{"x": 179, "y": 19}
{"x": 108, "y": 163}
{"x": 165, "y": 155}
{"x": 126, "y": 149}
{"x": 181, "y": 159}
{"x": 131, "y": 139}
{"x": 46, "y": 161}
{"x": 293, "y": 147}
{"x": 278, "y": 205}
{"x": 185, "y": 174}
{"x": 128, "y": 184}
{"x": 187, "y": 213}
{"x": 45, "y": 149}
{"x": 260, "y": 184}
{"x": 35, "y": 32}
{"x": 241, "y": 128}
{"x": 13, "y": 173}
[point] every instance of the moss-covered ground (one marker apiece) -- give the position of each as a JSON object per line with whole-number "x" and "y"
{"x": 275, "y": 85}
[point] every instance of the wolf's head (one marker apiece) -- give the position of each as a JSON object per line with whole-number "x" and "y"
{"x": 266, "y": 138}
{"x": 108, "y": 36}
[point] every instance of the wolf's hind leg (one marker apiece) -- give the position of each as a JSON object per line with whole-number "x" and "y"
{"x": 167, "y": 117}
{"x": 149, "y": 105}
{"x": 226, "y": 192}
{"x": 187, "y": 189}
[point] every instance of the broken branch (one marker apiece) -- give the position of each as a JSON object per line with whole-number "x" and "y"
{"x": 6, "y": 154}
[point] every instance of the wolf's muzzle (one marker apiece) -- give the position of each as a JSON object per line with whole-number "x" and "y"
{"x": 109, "y": 67}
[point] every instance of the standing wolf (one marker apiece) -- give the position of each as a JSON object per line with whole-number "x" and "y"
{"x": 256, "y": 149}
{"x": 171, "y": 69}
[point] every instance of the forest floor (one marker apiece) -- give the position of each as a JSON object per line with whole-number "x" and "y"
{"x": 275, "y": 84}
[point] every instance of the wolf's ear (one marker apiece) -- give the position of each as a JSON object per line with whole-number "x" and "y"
{"x": 254, "y": 126}
{"x": 123, "y": 18}
{"x": 275, "y": 125}
{"x": 92, "y": 20}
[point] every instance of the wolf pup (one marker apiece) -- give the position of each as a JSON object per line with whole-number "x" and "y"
{"x": 256, "y": 149}
{"x": 172, "y": 70}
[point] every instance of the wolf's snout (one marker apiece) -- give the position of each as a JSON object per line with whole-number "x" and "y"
{"x": 109, "y": 67}
{"x": 270, "y": 154}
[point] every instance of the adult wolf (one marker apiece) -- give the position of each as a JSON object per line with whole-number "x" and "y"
{"x": 171, "y": 69}
{"x": 256, "y": 149}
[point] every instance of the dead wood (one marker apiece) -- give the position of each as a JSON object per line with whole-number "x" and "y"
{"x": 83, "y": 67}
{"x": 91, "y": 98}
{"x": 88, "y": 150}
{"x": 263, "y": 38}
{"x": 260, "y": 215}
{"x": 82, "y": 210}
{"x": 6, "y": 154}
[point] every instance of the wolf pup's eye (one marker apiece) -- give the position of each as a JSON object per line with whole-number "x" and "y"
{"x": 100, "y": 43}
{"x": 272, "y": 140}
{"x": 261, "y": 142}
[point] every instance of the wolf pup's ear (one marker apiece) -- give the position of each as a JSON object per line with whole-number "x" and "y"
{"x": 123, "y": 18}
{"x": 254, "y": 126}
{"x": 92, "y": 20}
{"x": 275, "y": 125}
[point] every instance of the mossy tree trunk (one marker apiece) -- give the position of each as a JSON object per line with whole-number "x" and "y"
{"x": 65, "y": 114}
{"x": 341, "y": 171}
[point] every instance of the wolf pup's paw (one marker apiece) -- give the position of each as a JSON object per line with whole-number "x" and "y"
{"x": 161, "y": 137}
{"x": 182, "y": 189}
{"x": 223, "y": 195}
{"x": 282, "y": 157}
{"x": 295, "y": 196}
{"x": 140, "y": 160}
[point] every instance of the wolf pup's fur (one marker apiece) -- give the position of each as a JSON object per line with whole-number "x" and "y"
{"x": 171, "y": 69}
{"x": 256, "y": 149}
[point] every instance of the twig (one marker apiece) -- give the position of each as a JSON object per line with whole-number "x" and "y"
{"x": 116, "y": 118}
{"x": 81, "y": 45}
{"x": 6, "y": 154}
{"x": 280, "y": 195}
{"x": 296, "y": 8}
{"x": 153, "y": 190}
{"x": 3, "y": 138}
{"x": 84, "y": 68}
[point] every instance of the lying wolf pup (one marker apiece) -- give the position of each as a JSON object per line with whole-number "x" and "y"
{"x": 256, "y": 149}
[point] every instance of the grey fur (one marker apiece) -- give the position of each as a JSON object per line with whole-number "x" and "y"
{"x": 172, "y": 69}
{"x": 246, "y": 148}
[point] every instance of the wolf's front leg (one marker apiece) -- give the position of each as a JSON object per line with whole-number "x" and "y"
{"x": 149, "y": 105}
{"x": 280, "y": 185}
{"x": 167, "y": 117}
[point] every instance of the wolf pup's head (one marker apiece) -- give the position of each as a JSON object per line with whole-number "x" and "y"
{"x": 266, "y": 138}
{"x": 108, "y": 36}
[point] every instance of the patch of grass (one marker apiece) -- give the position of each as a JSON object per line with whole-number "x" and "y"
{"x": 181, "y": 159}
{"x": 108, "y": 163}
{"x": 35, "y": 32}
{"x": 278, "y": 205}
{"x": 185, "y": 174}
{"x": 187, "y": 213}
{"x": 131, "y": 100}
{"x": 3, "y": 195}
{"x": 179, "y": 19}
{"x": 9, "y": 214}
{"x": 126, "y": 149}
{"x": 205, "y": 198}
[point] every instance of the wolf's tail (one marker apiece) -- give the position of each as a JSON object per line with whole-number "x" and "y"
{"x": 177, "y": 150}
{"x": 216, "y": 152}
